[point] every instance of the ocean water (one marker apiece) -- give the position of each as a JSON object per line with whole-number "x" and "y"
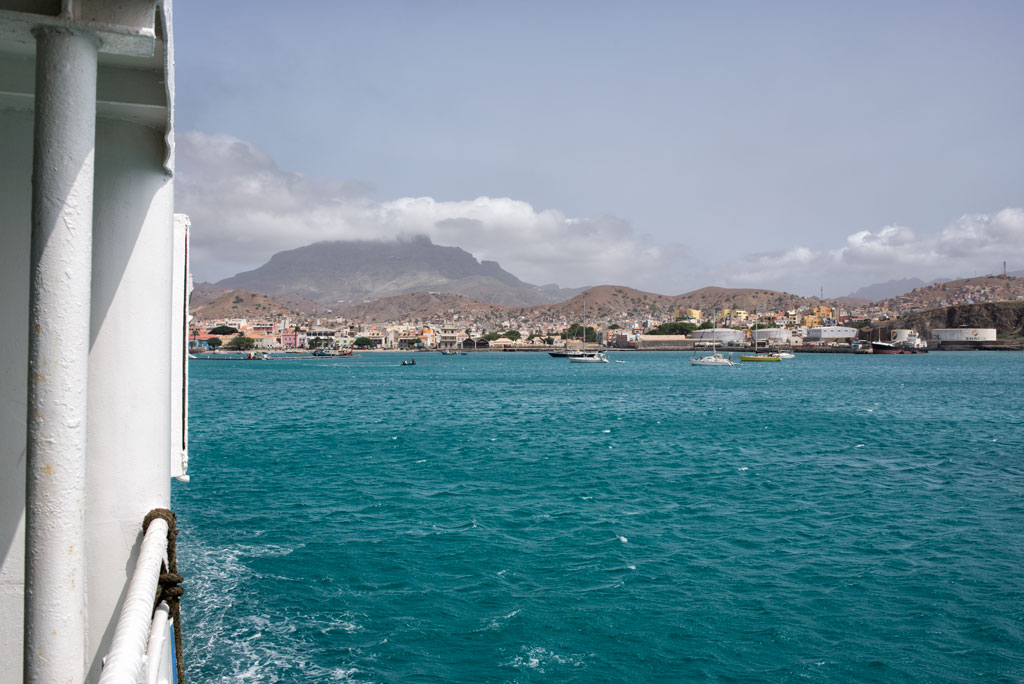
{"x": 517, "y": 518}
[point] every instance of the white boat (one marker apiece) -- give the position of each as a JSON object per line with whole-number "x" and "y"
{"x": 93, "y": 429}
{"x": 784, "y": 354}
{"x": 599, "y": 357}
{"x": 715, "y": 358}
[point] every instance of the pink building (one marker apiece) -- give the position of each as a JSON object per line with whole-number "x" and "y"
{"x": 291, "y": 339}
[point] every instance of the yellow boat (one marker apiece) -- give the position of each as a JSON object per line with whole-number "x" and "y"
{"x": 760, "y": 357}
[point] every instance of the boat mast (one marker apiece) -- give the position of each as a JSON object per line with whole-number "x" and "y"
{"x": 714, "y": 331}
{"x": 583, "y": 334}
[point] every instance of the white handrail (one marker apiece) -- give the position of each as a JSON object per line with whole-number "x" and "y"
{"x": 158, "y": 653}
{"x": 123, "y": 665}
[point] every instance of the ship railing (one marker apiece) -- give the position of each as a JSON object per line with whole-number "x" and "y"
{"x": 143, "y": 650}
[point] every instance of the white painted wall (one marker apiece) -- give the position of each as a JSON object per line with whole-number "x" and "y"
{"x": 15, "y": 210}
{"x": 130, "y": 398}
{"x": 129, "y": 383}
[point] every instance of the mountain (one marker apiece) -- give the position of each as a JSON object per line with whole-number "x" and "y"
{"x": 888, "y": 289}
{"x": 341, "y": 274}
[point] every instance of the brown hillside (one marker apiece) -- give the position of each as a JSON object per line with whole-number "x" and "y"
{"x": 419, "y": 306}
{"x": 236, "y": 304}
{"x": 747, "y": 299}
{"x": 965, "y": 291}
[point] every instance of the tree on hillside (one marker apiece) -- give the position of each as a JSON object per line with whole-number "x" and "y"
{"x": 674, "y": 328}
{"x": 573, "y": 333}
{"x": 362, "y": 343}
{"x": 214, "y": 342}
{"x": 240, "y": 342}
{"x": 512, "y": 335}
{"x": 223, "y": 330}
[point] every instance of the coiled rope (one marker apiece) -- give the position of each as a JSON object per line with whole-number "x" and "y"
{"x": 169, "y": 589}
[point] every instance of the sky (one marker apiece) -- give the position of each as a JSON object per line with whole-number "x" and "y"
{"x": 801, "y": 146}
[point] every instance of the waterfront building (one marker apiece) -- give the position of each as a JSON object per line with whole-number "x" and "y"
{"x": 293, "y": 339}
{"x": 657, "y": 342}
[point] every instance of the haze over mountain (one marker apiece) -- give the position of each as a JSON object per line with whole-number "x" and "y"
{"x": 343, "y": 273}
{"x": 890, "y": 288}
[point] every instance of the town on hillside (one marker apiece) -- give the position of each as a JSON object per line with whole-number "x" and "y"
{"x": 617, "y": 317}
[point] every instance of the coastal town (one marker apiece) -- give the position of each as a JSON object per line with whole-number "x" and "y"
{"x": 619, "y": 319}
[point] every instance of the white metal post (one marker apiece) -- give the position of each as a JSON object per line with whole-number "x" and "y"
{"x": 62, "y": 204}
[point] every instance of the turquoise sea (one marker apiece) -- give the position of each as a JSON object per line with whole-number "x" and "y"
{"x": 517, "y": 518}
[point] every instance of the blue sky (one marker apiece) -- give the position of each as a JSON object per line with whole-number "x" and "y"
{"x": 667, "y": 146}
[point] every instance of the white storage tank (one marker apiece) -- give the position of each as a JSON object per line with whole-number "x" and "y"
{"x": 720, "y": 335}
{"x": 964, "y": 334}
{"x": 830, "y": 333}
{"x": 778, "y": 335}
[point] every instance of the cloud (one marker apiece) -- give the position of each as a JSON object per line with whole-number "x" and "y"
{"x": 972, "y": 244}
{"x": 756, "y": 269}
{"x": 244, "y": 209}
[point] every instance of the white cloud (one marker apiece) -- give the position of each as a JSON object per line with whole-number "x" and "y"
{"x": 972, "y": 244}
{"x": 756, "y": 269}
{"x": 244, "y": 209}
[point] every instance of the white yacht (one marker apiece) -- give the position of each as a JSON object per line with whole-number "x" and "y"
{"x": 715, "y": 358}
{"x": 585, "y": 356}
